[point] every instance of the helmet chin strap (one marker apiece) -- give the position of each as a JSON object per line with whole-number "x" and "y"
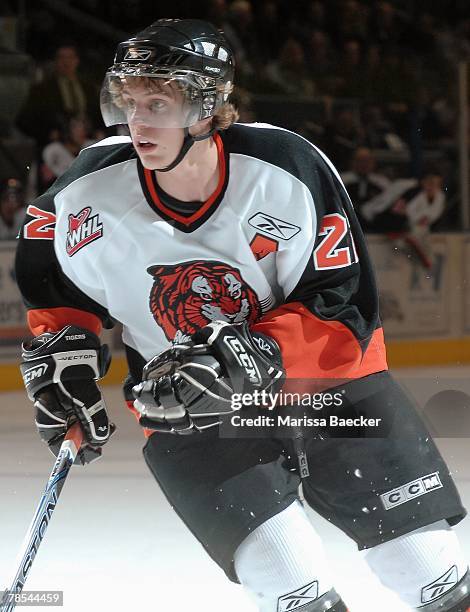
{"x": 187, "y": 144}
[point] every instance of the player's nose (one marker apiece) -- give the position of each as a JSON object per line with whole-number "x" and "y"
{"x": 139, "y": 117}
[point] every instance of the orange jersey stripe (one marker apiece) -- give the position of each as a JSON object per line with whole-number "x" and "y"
{"x": 45, "y": 320}
{"x": 317, "y": 349}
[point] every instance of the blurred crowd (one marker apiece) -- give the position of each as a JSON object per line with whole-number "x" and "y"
{"x": 12, "y": 206}
{"x": 358, "y": 78}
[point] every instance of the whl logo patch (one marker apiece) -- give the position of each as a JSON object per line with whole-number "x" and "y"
{"x": 83, "y": 229}
{"x": 299, "y": 598}
{"x": 274, "y": 227}
{"x": 410, "y": 490}
{"x": 440, "y": 586}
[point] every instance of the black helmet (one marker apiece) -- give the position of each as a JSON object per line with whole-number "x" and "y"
{"x": 190, "y": 53}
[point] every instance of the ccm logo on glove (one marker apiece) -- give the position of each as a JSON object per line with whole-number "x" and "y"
{"x": 243, "y": 359}
{"x": 36, "y": 372}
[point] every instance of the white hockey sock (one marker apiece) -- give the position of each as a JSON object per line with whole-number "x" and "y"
{"x": 283, "y": 555}
{"x": 420, "y": 566}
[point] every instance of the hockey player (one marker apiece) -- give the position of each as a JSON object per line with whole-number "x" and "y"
{"x": 232, "y": 256}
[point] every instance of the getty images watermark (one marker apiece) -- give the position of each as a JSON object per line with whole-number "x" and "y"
{"x": 348, "y": 408}
{"x": 321, "y": 401}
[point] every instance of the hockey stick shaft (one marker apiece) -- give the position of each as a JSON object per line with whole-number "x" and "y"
{"x": 299, "y": 445}
{"x": 35, "y": 534}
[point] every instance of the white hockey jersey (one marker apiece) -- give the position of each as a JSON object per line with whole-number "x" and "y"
{"x": 277, "y": 244}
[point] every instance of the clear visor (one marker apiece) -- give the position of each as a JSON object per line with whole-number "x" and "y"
{"x": 157, "y": 101}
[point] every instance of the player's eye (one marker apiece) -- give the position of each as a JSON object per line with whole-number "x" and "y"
{"x": 157, "y": 106}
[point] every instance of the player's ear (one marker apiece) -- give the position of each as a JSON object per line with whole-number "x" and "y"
{"x": 201, "y": 127}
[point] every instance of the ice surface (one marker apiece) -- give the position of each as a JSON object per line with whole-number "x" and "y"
{"x": 114, "y": 542}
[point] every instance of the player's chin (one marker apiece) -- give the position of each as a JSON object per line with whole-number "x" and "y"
{"x": 151, "y": 162}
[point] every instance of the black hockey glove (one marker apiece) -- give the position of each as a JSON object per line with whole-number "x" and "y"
{"x": 189, "y": 387}
{"x": 59, "y": 371}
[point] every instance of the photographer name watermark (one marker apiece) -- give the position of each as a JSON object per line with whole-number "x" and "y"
{"x": 285, "y": 420}
{"x": 277, "y": 407}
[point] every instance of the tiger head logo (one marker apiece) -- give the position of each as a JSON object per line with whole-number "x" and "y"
{"x": 186, "y": 297}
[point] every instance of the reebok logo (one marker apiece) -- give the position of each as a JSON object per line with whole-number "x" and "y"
{"x": 263, "y": 345}
{"x": 298, "y": 599}
{"x": 410, "y": 490}
{"x": 138, "y": 54}
{"x": 440, "y": 586}
{"x": 83, "y": 229}
{"x": 274, "y": 227}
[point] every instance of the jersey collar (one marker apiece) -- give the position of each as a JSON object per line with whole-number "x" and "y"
{"x": 148, "y": 182}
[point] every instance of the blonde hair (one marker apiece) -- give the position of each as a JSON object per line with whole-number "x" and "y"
{"x": 222, "y": 119}
{"x": 225, "y": 116}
